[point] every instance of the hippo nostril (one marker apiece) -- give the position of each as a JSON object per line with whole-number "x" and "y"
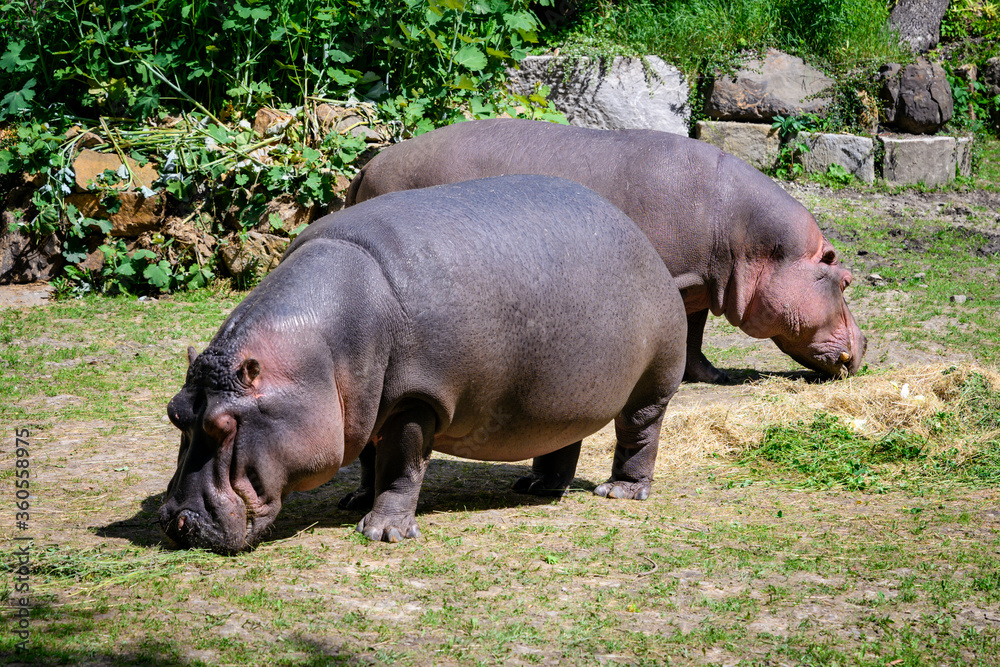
{"x": 184, "y": 525}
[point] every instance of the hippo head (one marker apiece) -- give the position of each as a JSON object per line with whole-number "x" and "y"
{"x": 254, "y": 426}
{"x": 798, "y": 302}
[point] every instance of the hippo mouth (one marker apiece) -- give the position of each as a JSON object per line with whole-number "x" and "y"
{"x": 204, "y": 528}
{"x": 837, "y": 364}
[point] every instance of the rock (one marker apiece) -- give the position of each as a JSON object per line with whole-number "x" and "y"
{"x": 910, "y": 160}
{"x": 23, "y": 261}
{"x": 88, "y": 140}
{"x": 256, "y": 254}
{"x": 93, "y": 262}
{"x": 918, "y": 22}
{"x": 187, "y": 235}
{"x": 343, "y": 120}
{"x": 990, "y": 76}
{"x": 615, "y": 95}
{"x": 963, "y": 155}
{"x": 780, "y": 85}
{"x": 959, "y": 298}
{"x": 916, "y": 98}
{"x": 287, "y": 214}
{"x": 89, "y": 164}
{"x": 136, "y": 214}
{"x": 853, "y": 153}
{"x": 270, "y": 122}
{"x": 888, "y": 95}
{"x": 756, "y": 143}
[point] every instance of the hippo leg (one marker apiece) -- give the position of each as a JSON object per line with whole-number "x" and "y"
{"x": 698, "y": 368}
{"x": 635, "y": 455}
{"x": 363, "y": 497}
{"x": 401, "y": 456}
{"x": 551, "y": 473}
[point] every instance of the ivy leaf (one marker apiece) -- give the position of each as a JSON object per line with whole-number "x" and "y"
{"x": 17, "y": 100}
{"x": 158, "y": 275}
{"x": 219, "y": 133}
{"x": 12, "y": 60}
{"x": 125, "y": 269}
{"x": 104, "y": 225}
{"x": 340, "y": 76}
{"x": 519, "y": 21}
{"x": 311, "y": 155}
{"x": 471, "y": 58}
{"x": 464, "y": 82}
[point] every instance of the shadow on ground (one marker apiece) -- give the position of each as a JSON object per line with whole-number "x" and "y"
{"x": 47, "y": 651}
{"x": 449, "y": 486}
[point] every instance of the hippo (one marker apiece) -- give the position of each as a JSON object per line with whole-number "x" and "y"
{"x": 499, "y": 319}
{"x": 735, "y": 242}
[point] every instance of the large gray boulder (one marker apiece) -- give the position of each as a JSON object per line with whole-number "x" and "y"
{"x": 756, "y": 143}
{"x": 918, "y": 22}
{"x": 779, "y": 85}
{"x": 855, "y": 154}
{"x": 617, "y": 94}
{"x": 910, "y": 160}
{"x": 916, "y": 98}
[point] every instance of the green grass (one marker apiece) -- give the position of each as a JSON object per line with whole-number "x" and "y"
{"x": 724, "y": 564}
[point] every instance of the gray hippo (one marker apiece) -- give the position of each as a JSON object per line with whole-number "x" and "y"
{"x": 736, "y": 243}
{"x": 500, "y": 319}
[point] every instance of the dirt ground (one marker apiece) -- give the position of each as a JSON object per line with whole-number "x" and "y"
{"x": 109, "y": 505}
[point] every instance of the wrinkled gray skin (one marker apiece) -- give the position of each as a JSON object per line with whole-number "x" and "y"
{"x": 736, "y": 243}
{"x": 499, "y": 319}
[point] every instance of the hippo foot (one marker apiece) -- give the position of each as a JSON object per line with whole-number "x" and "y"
{"x": 620, "y": 489}
{"x": 358, "y": 499}
{"x": 700, "y": 370}
{"x": 387, "y": 528}
{"x": 542, "y": 485}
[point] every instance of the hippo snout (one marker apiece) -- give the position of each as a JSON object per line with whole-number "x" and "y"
{"x": 182, "y": 528}
{"x": 188, "y": 528}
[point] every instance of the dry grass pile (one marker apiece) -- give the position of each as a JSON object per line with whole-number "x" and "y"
{"x": 933, "y": 403}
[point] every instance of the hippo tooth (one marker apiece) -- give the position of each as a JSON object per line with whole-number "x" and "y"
{"x": 845, "y": 356}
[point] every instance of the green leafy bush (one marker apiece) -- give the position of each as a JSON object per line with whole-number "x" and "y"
{"x": 131, "y": 58}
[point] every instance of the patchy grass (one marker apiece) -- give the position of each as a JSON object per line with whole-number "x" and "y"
{"x": 791, "y": 522}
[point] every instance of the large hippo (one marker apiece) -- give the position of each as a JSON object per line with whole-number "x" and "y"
{"x": 736, "y": 243}
{"x": 499, "y": 319}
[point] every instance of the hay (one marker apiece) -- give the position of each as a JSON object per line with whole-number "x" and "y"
{"x": 919, "y": 400}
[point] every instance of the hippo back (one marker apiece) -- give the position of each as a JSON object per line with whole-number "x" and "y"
{"x": 517, "y": 285}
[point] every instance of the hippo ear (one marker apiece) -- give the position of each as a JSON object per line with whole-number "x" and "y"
{"x": 192, "y": 355}
{"x": 249, "y": 370}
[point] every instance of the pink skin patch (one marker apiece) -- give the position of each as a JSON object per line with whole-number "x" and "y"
{"x": 802, "y": 308}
